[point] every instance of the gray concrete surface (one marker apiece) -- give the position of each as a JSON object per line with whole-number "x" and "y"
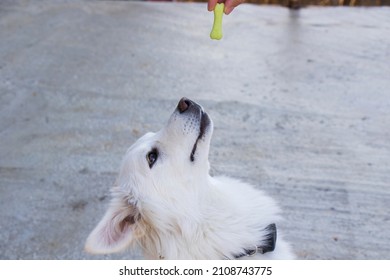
{"x": 300, "y": 101}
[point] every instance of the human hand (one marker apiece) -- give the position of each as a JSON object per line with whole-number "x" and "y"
{"x": 229, "y": 5}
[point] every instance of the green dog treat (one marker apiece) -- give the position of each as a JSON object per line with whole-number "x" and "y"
{"x": 216, "y": 32}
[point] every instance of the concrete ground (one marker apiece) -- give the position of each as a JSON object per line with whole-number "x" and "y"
{"x": 300, "y": 102}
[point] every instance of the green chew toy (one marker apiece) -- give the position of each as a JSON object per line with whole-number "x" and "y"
{"x": 216, "y": 32}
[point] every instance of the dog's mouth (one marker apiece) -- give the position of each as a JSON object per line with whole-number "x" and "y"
{"x": 204, "y": 123}
{"x": 187, "y": 106}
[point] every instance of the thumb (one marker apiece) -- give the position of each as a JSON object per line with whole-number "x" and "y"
{"x": 231, "y": 4}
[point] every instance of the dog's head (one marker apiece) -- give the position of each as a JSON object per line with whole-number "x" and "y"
{"x": 157, "y": 176}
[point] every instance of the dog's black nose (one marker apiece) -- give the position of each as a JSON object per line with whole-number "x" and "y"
{"x": 184, "y": 104}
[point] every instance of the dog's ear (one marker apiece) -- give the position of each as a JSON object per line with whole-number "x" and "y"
{"x": 116, "y": 229}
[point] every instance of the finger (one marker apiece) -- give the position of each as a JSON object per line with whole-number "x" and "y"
{"x": 211, "y": 5}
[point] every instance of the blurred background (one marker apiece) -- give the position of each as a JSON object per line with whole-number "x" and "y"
{"x": 303, "y": 3}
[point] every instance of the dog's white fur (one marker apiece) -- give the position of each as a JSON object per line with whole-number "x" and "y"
{"x": 175, "y": 209}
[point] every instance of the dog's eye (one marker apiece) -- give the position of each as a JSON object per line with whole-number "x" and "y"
{"x": 151, "y": 157}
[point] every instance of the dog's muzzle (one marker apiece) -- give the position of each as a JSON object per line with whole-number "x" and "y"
{"x": 187, "y": 106}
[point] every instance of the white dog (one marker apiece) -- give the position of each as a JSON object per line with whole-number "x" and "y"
{"x": 166, "y": 201}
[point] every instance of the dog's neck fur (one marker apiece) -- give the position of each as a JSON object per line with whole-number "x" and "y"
{"x": 200, "y": 227}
